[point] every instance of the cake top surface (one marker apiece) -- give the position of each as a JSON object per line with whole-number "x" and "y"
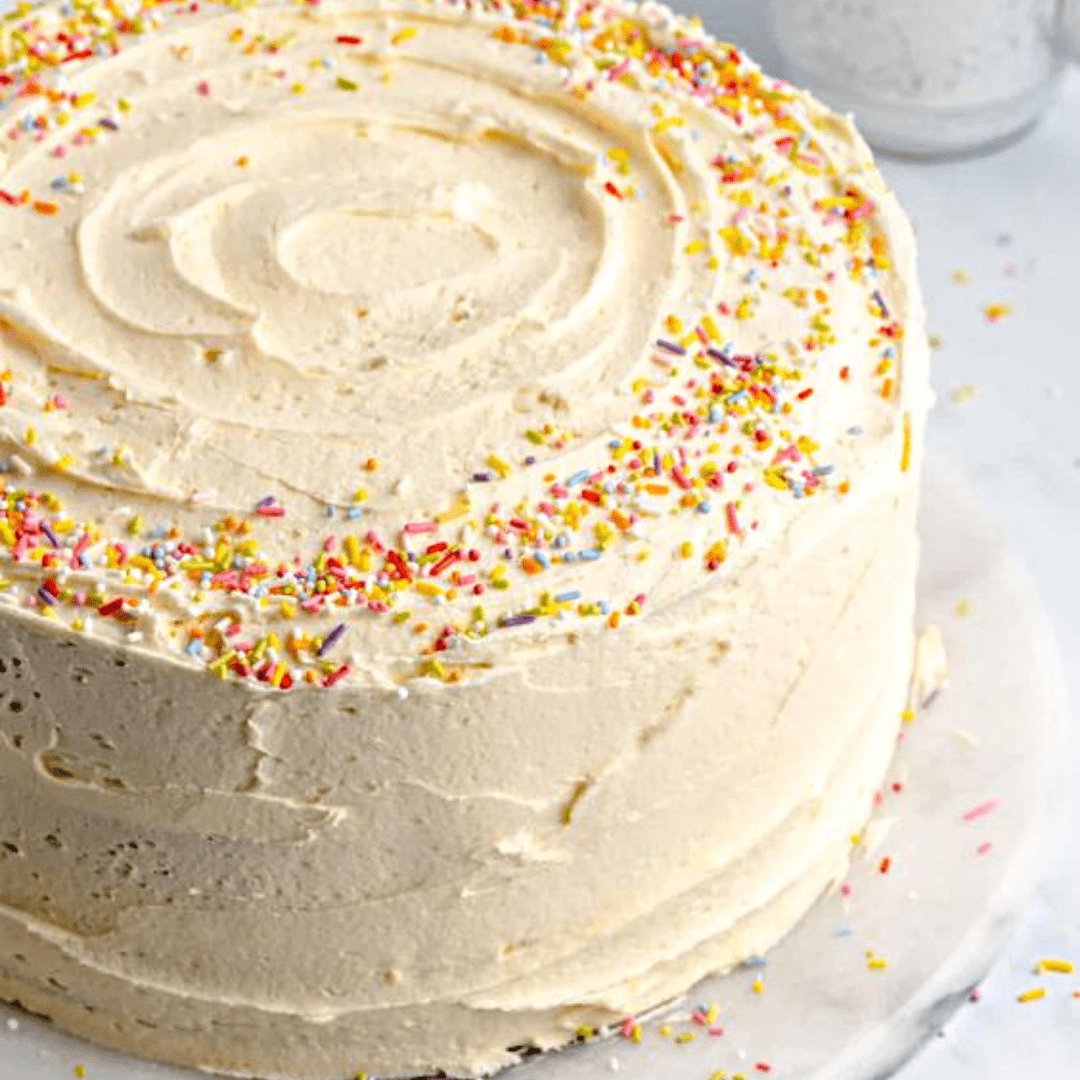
{"x": 354, "y": 342}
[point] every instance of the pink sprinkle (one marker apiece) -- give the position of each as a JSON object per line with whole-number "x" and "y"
{"x": 699, "y": 1018}
{"x": 627, "y": 1028}
{"x": 984, "y": 849}
{"x": 845, "y": 890}
{"x": 981, "y": 810}
{"x": 732, "y": 519}
{"x": 203, "y": 88}
{"x": 619, "y": 70}
{"x": 270, "y": 511}
{"x": 716, "y": 1031}
{"x": 414, "y": 527}
{"x": 975, "y": 995}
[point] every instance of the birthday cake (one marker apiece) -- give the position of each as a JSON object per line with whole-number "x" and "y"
{"x": 457, "y": 550}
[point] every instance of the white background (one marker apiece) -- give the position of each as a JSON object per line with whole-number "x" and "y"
{"x": 1012, "y": 221}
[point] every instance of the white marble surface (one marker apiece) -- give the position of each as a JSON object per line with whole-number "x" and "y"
{"x": 1018, "y": 444}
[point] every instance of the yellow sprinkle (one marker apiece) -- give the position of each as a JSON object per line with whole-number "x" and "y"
{"x": 1032, "y": 995}
{"x": 458, "y": 510}
{"x": 877, "y": 963}
{"x": 963, "y": 609}
{"x": 435, "y": 667}
{"x": 571, "y": 805}
{"x": 76, "y": 373}
{"x": 1058, "y": 967}
{"x": 908, "y": 716}
{"x": 31, "y": 436}
{"x": 360, "y": 1075}
{"x": 346, "y": 84}
{"x": 686, "y": 549}
{"x": 758, "y": 986}
{"x": 80, "y": 1071}
{"x": 996, "y": 312}
{"x": 403, "y": 35}
{"x": 585, "y": 1032}
{"x": 719, "y": 1075}
{"x": 135, "y": 525}
{"x": 685, "y": 1037}
{"x": 65, "y": 462}
{"x": 668, "y": 122}
{"x": 428, "y": 588}
{"x": 665, "y": 1031}
{"x": 905, "y": 454}
{"x": 499, "y": 465}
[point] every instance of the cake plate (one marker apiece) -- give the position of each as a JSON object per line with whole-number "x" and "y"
{"x": 878, "y": 966}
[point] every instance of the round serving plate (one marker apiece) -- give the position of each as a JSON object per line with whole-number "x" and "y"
{"x": 877, "y": 967}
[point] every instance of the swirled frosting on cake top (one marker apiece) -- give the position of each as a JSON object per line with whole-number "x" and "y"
{"x": 360, "y": 342}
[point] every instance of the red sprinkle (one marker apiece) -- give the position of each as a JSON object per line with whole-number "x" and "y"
{"x": 349, "y": 39}
{"x": 335, "y": 676}
{"x": 111, "y": 607}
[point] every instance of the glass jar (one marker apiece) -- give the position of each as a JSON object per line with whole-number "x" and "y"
{"x": 930, "y": 78}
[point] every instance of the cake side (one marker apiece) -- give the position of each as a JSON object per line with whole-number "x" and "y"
{"x": 678, "y": 356}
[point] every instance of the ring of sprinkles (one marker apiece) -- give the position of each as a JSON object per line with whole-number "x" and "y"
{"x": 717, "y": 438}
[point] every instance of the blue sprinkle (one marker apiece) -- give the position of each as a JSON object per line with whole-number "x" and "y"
{"x": 566, "y": 597}
{"x": 704, "y": 508}
{"x": 542, "y": 559}
{"x": 569, "y": 557}
{"x": 353, "y": 513}
{"x": 589, "y": 555}
{"x": 578, "y": 478}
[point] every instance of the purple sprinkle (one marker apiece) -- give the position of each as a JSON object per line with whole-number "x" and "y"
{"x": 518, "y": 620}
{"x": 331, "y": 639}
{"x": 716, "y": 354}
{"x": 46, "y": 528}
{"x": 46, "y": 596}
{"x": 109, "y": 124}
{"x": 671, "y": 347}
{"x": 881, "y": 303}
{"x": 481, "y": 477}
{"x": 262, "y": 504}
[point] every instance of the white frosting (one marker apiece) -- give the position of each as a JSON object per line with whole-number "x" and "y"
{"x": 451, "y": 253}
